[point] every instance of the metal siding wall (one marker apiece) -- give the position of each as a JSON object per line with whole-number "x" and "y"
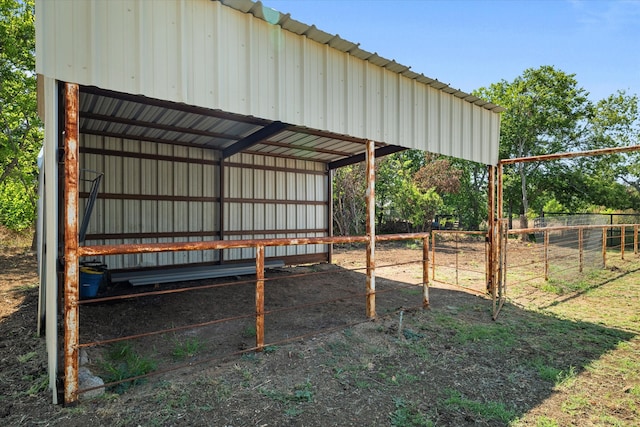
{"x": 135, "y": 176}
{"x": 246, "y": 182}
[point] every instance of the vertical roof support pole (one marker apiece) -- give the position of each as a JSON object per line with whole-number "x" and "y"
{"x": 492, "y": 239}
{"x": 371, "y": 230}
{"x": 71, "y": 273}
{"x": 330, "y": 175}
{"x": 259, "y": 297}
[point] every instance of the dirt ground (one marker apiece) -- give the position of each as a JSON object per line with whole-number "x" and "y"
{"x": 324, "y": 364}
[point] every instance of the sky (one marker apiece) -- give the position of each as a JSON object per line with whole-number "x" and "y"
{"x": 469, "y": 44}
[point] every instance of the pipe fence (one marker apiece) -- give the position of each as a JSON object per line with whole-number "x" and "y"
{"x": 236, "y": 316}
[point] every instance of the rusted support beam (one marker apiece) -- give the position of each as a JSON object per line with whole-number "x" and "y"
{"x": 371, "y": 230}
{"x": 622, "y": 241}
{"x": 212, "y": 244}
{"x": 71, "y": 273}
{"x": 557, "y": 156}
{"x": 259, "y": 298}
{"x": 491, "y": 238}
{"x": 330, "y": 176}
{"x": 425, "y": 272}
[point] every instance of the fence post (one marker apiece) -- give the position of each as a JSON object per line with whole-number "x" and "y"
{"x": 425, "y": 272}
{"x": 604, "y": 247}
{"x": 546, "y": 255}
{"x": 259, "y": 297}
{"x": 635, "y": 239}
{"x": 622, "y": 241}
{"x": 433, "y": 255}
{"x": 581, "y": 247}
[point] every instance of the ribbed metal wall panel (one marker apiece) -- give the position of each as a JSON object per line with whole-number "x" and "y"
{"x": 207, "y": 54}
{"x": 245, "y": 179}
{"x": 127, "y": 176}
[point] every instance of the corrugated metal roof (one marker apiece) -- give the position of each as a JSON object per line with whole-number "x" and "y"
{"x": 137, "y": 117}
{"x": 273, "y": 16}
{"x": 234, "y": 76}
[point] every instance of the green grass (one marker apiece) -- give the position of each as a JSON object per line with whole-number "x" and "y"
{"x": 186, "y": 349}
{"x": 406, "y": 414}
{"x": 291, "y": 400}
{"x": 490, "y": 411}
{"x": 121, "y": 362}
{"x": 249, "y": 331}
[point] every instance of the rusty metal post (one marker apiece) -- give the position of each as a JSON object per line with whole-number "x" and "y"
{"x": 491, "y": 196}
{"x": 635, "y": 239}
{"x": 604, "y": 247}
{"x": 71, "y": 273}
{"x": 259, "y": 297}
{"x": 457, "y": 266}
{"x": 622, "y": 241}
{"x": 330, "y": 175}
{"x": 546, "y": 255}
{"x": 425, "y": 272}
{"x": 433, "y": 255}
{"x": 371, "y": 230}
{"x": 581, "y": 247}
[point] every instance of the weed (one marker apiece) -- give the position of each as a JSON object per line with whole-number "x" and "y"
{"x": 546, "y": 372}
{"x": 491, "y": 411}
{"x": 123, "y": 362}
{"x": 292, "y": 411}
{"x": 411, "y": 336}
{"x": 250, "y": 356}
{"x": 26, "y": 357}
{"x": 566, "y": 379}
{"x": 38, "y": 385}
{"x": 300, "y": 393}
{"x": 186, "y": 349}
{"x": 575, "y": 405}
{"x": 543, "y": 421}
{"x": 406, "y": 415}
{"x": 270, "y": 349}
{"x": 249, "y": 332}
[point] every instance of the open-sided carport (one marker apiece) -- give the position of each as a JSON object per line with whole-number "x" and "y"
{"x": 216, "y": 125}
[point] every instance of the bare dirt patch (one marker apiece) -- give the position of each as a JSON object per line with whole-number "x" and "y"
{"x": 449, "y": 365}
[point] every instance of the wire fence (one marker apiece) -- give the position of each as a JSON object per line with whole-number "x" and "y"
{"x": 567, "y": 254}
{"x": 212, "y": 320}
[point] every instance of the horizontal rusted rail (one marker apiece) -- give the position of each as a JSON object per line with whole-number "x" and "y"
{"x": 135, "y": 248}
{"x": 558, "y": 156}
{"x": 565, "y": 227}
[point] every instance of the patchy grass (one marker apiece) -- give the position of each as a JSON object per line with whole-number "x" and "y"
{"x": 550, "y": 359}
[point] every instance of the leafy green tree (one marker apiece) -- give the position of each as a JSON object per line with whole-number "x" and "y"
{"x": 349, "y": 187}
{"x": 547, "y": 112}
{"x": 417, "y": 206}
{"x": 470, "y": 203}
{"x": 21, "y": 136}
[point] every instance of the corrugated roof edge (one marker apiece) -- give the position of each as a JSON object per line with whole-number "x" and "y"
{"x": 258, "y": 10}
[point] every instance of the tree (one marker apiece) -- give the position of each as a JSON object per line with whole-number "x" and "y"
{"x": 349, "y": 187}
{"x": 21, "y": 136}
{"x": 470, "y": 202}
{"x": 546, "y": 112}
